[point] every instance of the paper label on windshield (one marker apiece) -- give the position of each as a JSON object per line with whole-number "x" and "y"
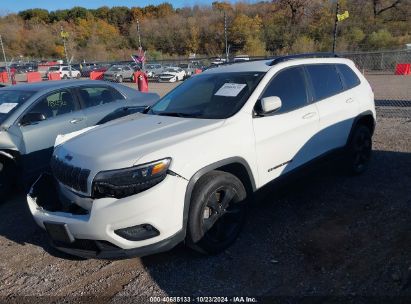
{"x": 7, "y": 107}
{"x": 230, "y": 89}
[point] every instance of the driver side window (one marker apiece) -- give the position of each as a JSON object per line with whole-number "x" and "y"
{"x": 290, "y": 86}
{"x": 55, "y": 104}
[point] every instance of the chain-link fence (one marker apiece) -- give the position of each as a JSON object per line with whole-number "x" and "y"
{"x": 389, "y": 75}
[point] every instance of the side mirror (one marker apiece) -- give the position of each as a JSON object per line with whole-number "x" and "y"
{"x": 268, "y": 105}
{"x": 32, "y": 118}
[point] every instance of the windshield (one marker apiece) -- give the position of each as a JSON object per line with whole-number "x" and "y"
{"x": 210, "y": 96}
{"x": 183, "y": 66}
{"x": 10, "y": 101}
{"x": 171, "y": 70}
{"x": 115, "y": 69}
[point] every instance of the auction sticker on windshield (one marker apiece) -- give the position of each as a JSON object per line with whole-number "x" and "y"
{"x": 7, "y": 107}
{"x": 230, "y": 89}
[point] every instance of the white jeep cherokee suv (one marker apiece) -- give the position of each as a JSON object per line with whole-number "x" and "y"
{"x": 185, "y": 170}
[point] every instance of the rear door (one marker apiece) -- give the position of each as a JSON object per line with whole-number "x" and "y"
{"x": 284, "y": 140}
{"x": 63, "y": 115}
{"x": 336, "y": 105}
{"x": 98, "y": 101}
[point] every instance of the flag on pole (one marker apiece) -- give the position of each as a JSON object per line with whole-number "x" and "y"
{"x": 343, "y": 16}
{"x": 64, "y": 34}
{"x": 140, "y": 57}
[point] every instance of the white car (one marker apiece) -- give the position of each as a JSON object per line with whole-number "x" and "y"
{"x": 240, "y": 58}
{"x": 172, "y": 74}
{"x": 186, "y": 170}
{"x": 65, "y": 72}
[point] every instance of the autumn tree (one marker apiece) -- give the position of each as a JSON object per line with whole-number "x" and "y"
{"x": 245, "y": 35}
{"x": 274, "y": 27}
{"x": 381, "y": 6}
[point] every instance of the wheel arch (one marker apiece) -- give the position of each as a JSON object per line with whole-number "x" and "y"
{"x": 10, "y": 156}
{"x": 237, "y": 166}
{"x": 366, "y": 118}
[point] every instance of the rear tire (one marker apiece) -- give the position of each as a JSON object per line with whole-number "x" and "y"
{"x": 65, "y": 77}
{"x": 359, "y": 150}
{"x": 217, "y": 212}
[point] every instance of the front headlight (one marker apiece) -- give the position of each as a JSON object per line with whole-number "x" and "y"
{"x": 129, "y": 181}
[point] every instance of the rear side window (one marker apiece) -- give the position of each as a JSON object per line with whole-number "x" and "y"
{"x": 95, "y": 96}
{"x": 290, "y": 86}
{"x": 351, "y": 79}
{"x": 56, "y": 104}
{"x": 325, "y": 80}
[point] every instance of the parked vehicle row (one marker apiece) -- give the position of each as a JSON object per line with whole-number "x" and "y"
{"x": 185, "y": 169}
{"x": 86, "y": 68}
{"x": 24, "y": 67}
{"x": 125, "y": 72}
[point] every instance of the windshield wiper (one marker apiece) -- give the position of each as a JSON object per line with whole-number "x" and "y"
{"x": 176, "y": 114}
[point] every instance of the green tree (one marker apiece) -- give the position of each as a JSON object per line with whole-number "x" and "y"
{"x": 37, "y": 14}
{"x": 381, "y": 39}
{"x": 245, "y": 34}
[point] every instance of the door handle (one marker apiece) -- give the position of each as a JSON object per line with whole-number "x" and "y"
{"x": 76, "y": 120}
{"x": 309, "y": 115}
{"x": 349, "y": 100}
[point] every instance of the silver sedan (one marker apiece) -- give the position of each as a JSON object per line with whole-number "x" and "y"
{"x": 33, "y": 115}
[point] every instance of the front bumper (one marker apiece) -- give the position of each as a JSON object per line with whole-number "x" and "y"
{"x": 167, "y": 79}
{"x": 110, "y": 77}
{"x": 91, "y": 249}
{"x": 93, "y": 226}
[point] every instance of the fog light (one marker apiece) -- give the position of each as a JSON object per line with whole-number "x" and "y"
{"x": 138, "y": 233}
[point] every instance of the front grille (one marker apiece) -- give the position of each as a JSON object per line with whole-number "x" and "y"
{"x": 73, "y": 177}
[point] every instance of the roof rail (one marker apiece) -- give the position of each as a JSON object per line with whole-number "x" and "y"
{"x": 305, "y": 55}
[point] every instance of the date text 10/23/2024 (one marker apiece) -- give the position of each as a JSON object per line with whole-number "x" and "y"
{"x": 203, "y": 299}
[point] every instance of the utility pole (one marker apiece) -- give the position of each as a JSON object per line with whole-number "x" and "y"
{"x": 138, "y": 34}
{"x": 140, "y": 48}
{"x": 4, "y": 56}
{"x": 336, "y": 26}
{"x": 225, "y": 36}
{"x": 64, "y": 36}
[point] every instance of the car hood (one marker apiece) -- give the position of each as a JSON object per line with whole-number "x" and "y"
{"x": 122, "y": 142}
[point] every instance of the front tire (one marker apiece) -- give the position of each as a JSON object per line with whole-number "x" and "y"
{"x": 359, "y": 150}
{"x": 217, "y": 212}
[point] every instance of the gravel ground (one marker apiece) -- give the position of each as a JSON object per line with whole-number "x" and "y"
{"x": 323, "y": 234}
